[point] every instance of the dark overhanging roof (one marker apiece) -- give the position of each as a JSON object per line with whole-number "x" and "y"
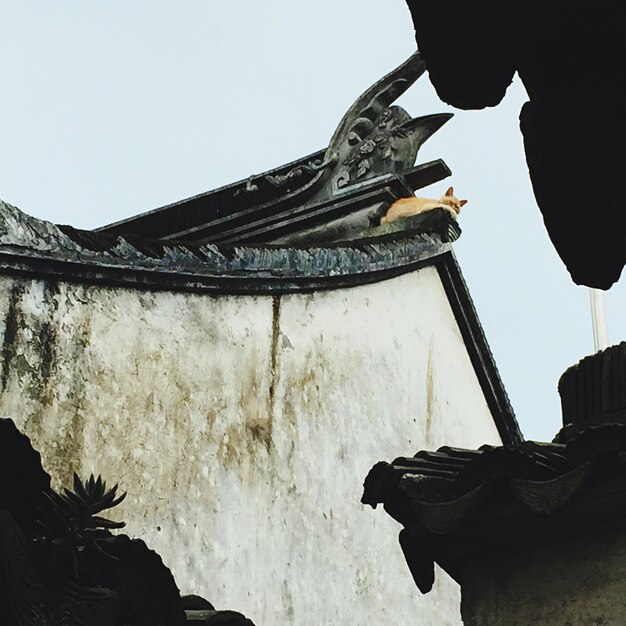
{"x": 573, "y": 125}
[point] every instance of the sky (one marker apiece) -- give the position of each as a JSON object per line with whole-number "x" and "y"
{"x": 109, "y": 109}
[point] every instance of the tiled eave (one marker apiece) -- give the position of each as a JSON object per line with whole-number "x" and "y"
{"x": 456, "y": 504}
{"x": 28, "y": 245}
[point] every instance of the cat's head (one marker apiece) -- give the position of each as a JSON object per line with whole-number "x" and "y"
{"x": 452, "y": 201}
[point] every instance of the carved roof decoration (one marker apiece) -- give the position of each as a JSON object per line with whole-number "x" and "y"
{"x": 330, "y": 195}
{"x": 455, "y": 503}
{"x": 311, "y": 224}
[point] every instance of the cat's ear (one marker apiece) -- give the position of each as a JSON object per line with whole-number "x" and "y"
{"x": 462, "y": 202}
{"x": 450, "y": 191}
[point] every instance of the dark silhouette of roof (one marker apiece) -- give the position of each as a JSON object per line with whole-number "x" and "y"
{"x": 571, "y": 57}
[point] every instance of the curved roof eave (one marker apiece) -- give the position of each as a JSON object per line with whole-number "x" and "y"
{"x": 30, "y": 245}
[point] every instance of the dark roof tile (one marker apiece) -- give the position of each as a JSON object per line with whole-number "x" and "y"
{"x": 450, "y": 492}
{"x": 452, "y": 473}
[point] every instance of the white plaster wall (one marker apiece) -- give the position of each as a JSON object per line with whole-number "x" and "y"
{"x": 243, "y": 428}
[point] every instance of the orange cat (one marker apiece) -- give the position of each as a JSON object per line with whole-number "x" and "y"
{"x": 405, "y": 207}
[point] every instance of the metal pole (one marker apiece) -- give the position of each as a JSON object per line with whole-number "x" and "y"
{"x": 598, "y": 319}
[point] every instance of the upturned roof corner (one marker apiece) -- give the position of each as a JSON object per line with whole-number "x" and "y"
{"x": 331, "y": 195}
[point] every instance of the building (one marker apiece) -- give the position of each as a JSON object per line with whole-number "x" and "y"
{"x": 238, "y": 360}
{"x": 502, "y": 518}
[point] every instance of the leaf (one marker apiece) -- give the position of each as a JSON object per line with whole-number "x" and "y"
{"x": 101, "y": 522}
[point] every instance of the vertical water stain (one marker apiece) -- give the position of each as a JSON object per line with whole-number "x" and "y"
{"x": 46, "y": 336}
{"x": 273, "y": 367}
{"x": 11, "y": 328}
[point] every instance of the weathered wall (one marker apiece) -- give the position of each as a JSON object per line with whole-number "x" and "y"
{"x": 243, "y": 428}
{"x": 575, "y": 581}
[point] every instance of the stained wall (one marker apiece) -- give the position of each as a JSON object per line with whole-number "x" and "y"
{"x": 243, "y": 427}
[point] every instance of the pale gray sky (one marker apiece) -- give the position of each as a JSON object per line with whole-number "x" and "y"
{"x": 110, "y": 109}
